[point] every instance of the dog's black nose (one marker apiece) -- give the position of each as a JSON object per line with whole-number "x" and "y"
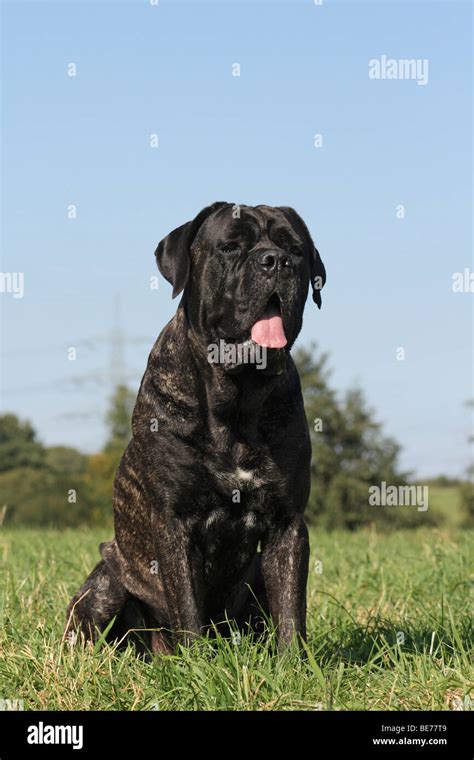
{"x": 273, "y": 260}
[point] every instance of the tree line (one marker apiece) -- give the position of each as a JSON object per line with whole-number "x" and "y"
{"x": 63, "y": 487}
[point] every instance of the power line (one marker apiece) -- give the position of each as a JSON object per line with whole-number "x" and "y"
{"x": 116, "y": 374}
{"x": 91, "y": 344}
{"x": 117, "y": 346}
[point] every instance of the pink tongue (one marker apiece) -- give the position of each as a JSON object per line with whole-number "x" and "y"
{"x": 268, "y": 331}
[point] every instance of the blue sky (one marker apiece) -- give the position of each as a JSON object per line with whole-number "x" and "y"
{"x": 167, "y": 70}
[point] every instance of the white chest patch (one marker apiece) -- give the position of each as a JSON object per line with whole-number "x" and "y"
{"x": 243, "y": 474}
{"x": 250, "y": 520}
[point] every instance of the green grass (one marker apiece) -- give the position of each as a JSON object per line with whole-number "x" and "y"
{"x": 445, "y": 501}
{"x": 414, "y": 583}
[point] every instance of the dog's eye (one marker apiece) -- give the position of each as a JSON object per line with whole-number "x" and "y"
{"x": 230, "y": 247}
{"x": 295, "y": 248}
{"x": 287, "y": 244}
{"x": 291, "y": 247}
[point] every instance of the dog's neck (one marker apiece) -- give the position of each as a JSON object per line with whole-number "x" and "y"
{"x": 234, "y": 400}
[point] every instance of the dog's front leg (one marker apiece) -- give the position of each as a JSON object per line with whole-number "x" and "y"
{"x": 180, "y": 578}
{"x": 285, "y": 557}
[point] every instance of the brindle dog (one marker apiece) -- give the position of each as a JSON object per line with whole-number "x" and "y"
{"x": 210, "y": 493}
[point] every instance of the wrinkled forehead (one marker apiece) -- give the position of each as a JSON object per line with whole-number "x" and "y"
{"x": 247, "y": 221}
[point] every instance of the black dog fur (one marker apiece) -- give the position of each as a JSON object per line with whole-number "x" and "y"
{"x": 186, "y": 551}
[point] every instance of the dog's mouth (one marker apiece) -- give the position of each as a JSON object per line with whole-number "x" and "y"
{"x": 268, "y": 329}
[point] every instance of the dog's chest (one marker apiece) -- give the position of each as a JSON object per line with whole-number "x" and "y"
{"x": 239, "y": 467}
{"x": 234, "y": 505}
{"x": 227, "y": 539}
{"x": 243, "y": 491}
{"x": 242, "y": 480}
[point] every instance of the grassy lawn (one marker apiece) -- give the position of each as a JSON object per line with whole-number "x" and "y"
{"x": 388, "y": 623}
{"x": 445, "y": 501}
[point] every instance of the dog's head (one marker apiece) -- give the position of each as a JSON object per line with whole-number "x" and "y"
{"x": 245, "y": 272}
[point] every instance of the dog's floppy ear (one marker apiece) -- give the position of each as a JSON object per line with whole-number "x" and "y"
{"x": 318, "y": 272}
{"x": 172, "y": 254}
{"x": 318, "y": 276}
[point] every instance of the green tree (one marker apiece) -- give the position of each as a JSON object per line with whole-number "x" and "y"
{"x": 43, "y": 497}
{"x": 65, "y": 460}
{"x": 19, "y": 446}
{"x": 118, "y": 420}
{"x": 41, "y": 485}
{"x": 350, "y": 452}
